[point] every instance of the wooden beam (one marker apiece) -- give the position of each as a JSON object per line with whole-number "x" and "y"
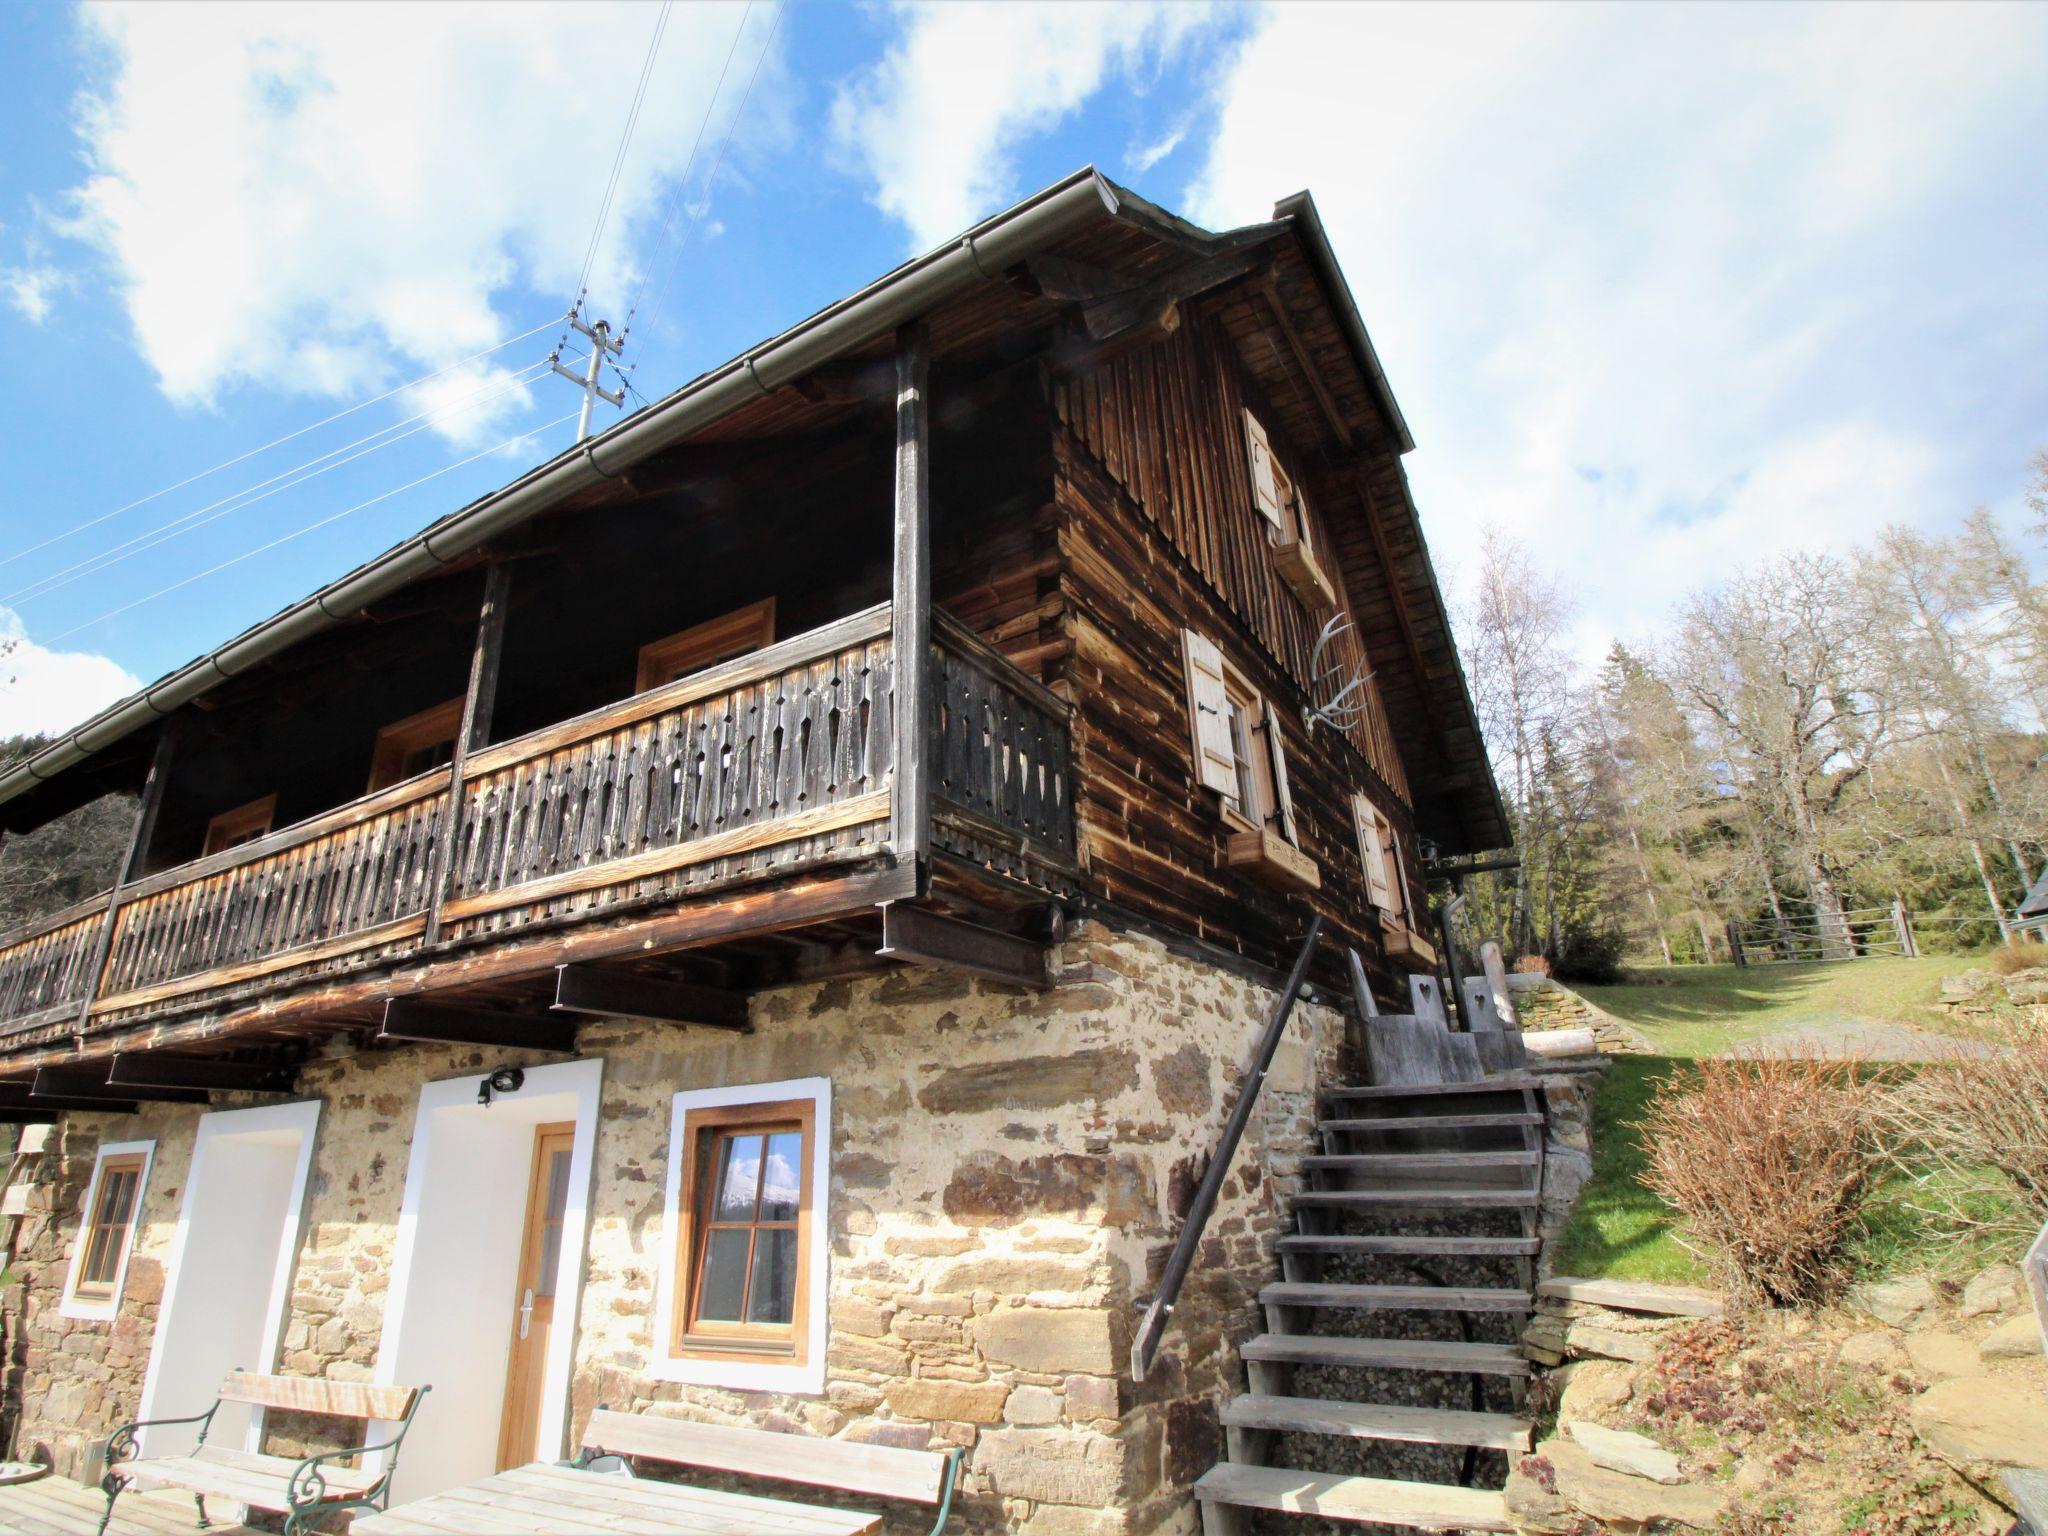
{"x": 411, "y": 1018}
{"x": 12, "y": 1116}
{"x": 131, "y": 866}
{"x": 1398, "y": 600}
{"x": 610, "y": 994}
{"x": 160, "y": 1069}
{"x": 1106, "y": 318}
{"x": 15, "y": 1094}
{"x": 1285, "y": 325}
{"x": 910, "y": 622}
{"x": 90, "y": 1083}
{"x": 478, "y": 701}
{"x": 926, "y": 938}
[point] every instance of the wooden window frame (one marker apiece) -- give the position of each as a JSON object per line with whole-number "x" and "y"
{"x": 691, "y": 1335}
{"x": 1283, "y": 506}
{"x": 244, "y": 824}
{"x": 1379, "y": 852}
{"x": 400, "y": 739}
{"x": 750, "y": 628}
{"x": 1262, "y": 834}
{"x": 103, "y": 1301}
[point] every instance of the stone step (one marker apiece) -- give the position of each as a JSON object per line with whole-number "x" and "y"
{"x": 1366, "y": 1123}
{"x": 1448, "y": 1199}
{"x": 1417, "y": 1162}
{"x": 1378, "y": 1421}
{"x": 1396, "y": 1298}
{"x": 1370, "y": 1500}
{"x": 1394, "y": 1244}
{"x": 1388, "y": 1354}
{"x": 1502, "y": 1082}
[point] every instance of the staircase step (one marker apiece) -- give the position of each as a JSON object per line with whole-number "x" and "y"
{"x": 1449, "y": 1199}
{"x": 1396, "y": 1245}
{"x": 1417, "y": 1162}
{"x": 1371, "y": 1500}
{"x": 1428, "y": 1122}
{"x": 1388, "y": 1354}
{"x": 1378, "y": 1421}
{"x": 1405, "y": 1298}
{"x": 1501, "y": 1082}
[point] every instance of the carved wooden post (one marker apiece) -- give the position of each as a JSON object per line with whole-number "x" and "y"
{"x": 1497, "y": 984}
{"x": 131, "y": 867}
{"x": 1734, "y": 945}
{"x": 911, "y": 609}
{"x": 478, "y": 701}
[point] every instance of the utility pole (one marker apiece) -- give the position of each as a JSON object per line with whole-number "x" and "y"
{"x": 601, "y": 347}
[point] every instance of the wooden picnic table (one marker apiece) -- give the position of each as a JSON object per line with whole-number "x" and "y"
{"x": 549, "y": 1499}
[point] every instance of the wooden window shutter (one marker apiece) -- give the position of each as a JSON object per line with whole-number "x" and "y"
{"x": 1215, "y": 761}
{"x": 1283, "y": 802}
{"x": 1266, "y": 494}
{"x": 1371, "y": 851}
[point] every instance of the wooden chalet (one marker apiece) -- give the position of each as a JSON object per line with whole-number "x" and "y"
{"x": 961, "y": 642}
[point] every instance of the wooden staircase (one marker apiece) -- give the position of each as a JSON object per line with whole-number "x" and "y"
{"x": 1387, "y": 1387}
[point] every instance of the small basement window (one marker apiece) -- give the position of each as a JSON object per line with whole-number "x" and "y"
{"x": 244, "y": 824}
{"x": 706, "y": 645}
{"x": 1289, "y": 523}
{"x": 744, "y": 1278}
{"x": 113, "y": 1200}
{"x": 1241, "y": 754}
{"x": 415, "y": 745}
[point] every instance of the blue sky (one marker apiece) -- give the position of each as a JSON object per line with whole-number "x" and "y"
{"x": 1662, "y": 289}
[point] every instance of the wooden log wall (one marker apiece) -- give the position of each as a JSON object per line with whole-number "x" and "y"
{"x": 1165, "y": 424}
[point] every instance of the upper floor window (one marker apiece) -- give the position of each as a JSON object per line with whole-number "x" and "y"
{"x": 113, "y": 1201}
{"x": 415, "y": 744}
{"x": 706, "y": 645}
{"x": 1241, "y": 754}
{"x": 244, "y": 824}
{"x": 1284, "y": 505}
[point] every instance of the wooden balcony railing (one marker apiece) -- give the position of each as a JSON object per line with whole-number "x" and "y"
{"x": 778, "y": 761}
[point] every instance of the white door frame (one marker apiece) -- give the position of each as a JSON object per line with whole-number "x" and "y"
{"x": 301, "y": 1118}
{"x": 445, "y": 1108}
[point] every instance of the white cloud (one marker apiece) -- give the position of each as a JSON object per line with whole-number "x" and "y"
{"x": 44, "y": 691}
{"x": 1665, "y": 290}
{"x": 32, "y": 290}
{"x": 297, "y": 196}
{"x": 934, "y": 123}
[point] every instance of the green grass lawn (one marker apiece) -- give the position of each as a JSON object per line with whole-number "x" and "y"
{"x": 1619, "y": 1229}
{"x": 1709, "y": 1010}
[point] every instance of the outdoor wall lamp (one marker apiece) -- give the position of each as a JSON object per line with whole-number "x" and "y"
{"x": 504, "y": 1080}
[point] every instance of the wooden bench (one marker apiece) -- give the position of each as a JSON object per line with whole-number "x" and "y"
{"x": 574, "y": 1498}
{"x": 301, "y": 1488}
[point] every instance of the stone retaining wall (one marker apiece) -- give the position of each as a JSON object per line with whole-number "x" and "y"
{"x": 1006, "y": 1171}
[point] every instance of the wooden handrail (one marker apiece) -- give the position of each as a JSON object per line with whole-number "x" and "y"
{"x": 1174, "y": 1276}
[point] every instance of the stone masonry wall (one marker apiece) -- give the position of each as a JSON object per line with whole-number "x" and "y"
{"x": 1008, "y": 1170}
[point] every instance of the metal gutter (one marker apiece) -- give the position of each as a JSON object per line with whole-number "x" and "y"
{"x": 977, "y": 256}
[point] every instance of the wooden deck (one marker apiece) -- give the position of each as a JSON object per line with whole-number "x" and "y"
{"x": 56, "y": 1506}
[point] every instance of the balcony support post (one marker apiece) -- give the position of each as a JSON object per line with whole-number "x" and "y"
{"x": 131, "y": 866}
{"x": 911, "y": 610}
{"x": 478, "y": 701}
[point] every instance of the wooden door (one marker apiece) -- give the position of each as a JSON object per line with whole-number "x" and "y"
{"x": 533, "y": 1300}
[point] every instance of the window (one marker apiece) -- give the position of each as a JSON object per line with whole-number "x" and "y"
{"x": 1289, "y": 522}
{"x": 412, "y": 746}
{"x": 706, "y": 645}
{"x": 744, "y": 1280}
{"x": 1380, "y": 851}
{"x": 244, "y": 824}
{"x": 106, "y": 1234}
{"x": 1241, "y": 754}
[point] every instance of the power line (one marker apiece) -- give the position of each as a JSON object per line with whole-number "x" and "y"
{"x": 428, "y": 378}
{"x": 248, "y": 496}
{"x": 312, "y": 527}
{"x": 711, "y": 181}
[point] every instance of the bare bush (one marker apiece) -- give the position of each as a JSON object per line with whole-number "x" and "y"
{"x": 1975, "y": 1133}
{"x": 2027, "y": 955}
{"x": 1769, "y": 1163}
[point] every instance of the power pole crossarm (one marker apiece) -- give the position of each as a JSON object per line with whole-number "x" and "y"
{"x": 601, "y": 347}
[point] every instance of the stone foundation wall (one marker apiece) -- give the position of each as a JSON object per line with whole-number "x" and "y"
{"x": 1543, "y": 1002}
{"x": 1007, "y": 1172}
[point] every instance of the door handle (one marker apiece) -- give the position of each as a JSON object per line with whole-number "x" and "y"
{"x": 526, "y": 1312}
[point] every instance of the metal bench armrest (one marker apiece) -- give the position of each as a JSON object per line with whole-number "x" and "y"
{"x": 121, "y": 1445}
{"x": 309, "y": 1487}
{"x": 946, "y": 1493}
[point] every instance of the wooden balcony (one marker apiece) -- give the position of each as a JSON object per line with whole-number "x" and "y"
{"x": 708, "y": 790}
